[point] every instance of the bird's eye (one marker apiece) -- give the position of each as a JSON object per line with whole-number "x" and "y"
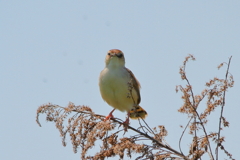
{"x": 119, "y": 55}
{"x": 109, "y": 54}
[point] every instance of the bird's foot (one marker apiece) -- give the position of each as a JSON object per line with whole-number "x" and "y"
{"x": 126, "y": 123}
{"x": 110, "y": 116}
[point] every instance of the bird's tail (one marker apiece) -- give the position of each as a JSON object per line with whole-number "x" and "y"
{"x": 137, "y": 112}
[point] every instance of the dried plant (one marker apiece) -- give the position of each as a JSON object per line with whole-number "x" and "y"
{"x": 214, "y": 93}
{"x": 86, "y": 129}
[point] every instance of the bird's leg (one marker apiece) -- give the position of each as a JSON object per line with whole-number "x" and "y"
{"x": 109, "y": 115}
{"x": 127, "y": 119}
{"x": 126, "y": 123}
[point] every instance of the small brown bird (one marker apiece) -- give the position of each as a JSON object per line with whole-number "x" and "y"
{"x": 119, "y": 87}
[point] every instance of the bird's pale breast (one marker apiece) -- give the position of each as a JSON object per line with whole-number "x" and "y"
{"x": 114, "y": 88}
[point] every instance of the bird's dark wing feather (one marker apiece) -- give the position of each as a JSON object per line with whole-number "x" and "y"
{"x": 136, "y": 85}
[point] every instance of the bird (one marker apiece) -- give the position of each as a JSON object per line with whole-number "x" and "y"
{"x": 119, "y": 87}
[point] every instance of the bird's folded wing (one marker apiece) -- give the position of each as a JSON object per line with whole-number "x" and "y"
{"x": 136, "y": 85}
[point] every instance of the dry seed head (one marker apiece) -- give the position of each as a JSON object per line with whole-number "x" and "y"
{"x": 220, "y": 65}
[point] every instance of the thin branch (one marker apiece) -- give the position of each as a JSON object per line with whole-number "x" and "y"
{"x": 204, "y": 129}
{"x": 223, "y": 104}
{"x": 195, "y": 110}
{"x": 193, "y": 100}
{"x": 182, "y": 135}
{"x": 148, "y": 128}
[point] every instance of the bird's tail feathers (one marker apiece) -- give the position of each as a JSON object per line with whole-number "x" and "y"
{"x": 137, "y": 112}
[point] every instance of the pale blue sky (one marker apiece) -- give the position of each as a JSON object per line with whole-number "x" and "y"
{"x": 53, "y": 51}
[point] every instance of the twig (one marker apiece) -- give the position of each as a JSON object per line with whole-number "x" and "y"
{"x": 223, "y": 104}
{"x": 183, "y": 134}
{"x": 148, "y": 128}
{"x": 195, "y": 110}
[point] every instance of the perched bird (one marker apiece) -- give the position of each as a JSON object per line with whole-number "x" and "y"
{"x": 119, "y": 87}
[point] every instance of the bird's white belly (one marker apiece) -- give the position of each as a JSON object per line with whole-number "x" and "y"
{"x": 114, "y": 89}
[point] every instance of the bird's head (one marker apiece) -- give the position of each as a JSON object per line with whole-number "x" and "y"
{"x": 115, "y": 58}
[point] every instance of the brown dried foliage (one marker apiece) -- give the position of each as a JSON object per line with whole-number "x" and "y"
{"x": 214, "y": 95}
{"x": 86, "y": 129}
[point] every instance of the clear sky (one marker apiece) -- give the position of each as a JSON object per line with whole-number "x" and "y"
{"x": 53, "y": 51}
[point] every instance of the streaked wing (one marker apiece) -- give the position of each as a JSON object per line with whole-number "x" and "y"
{"x": 136, "y": 85}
